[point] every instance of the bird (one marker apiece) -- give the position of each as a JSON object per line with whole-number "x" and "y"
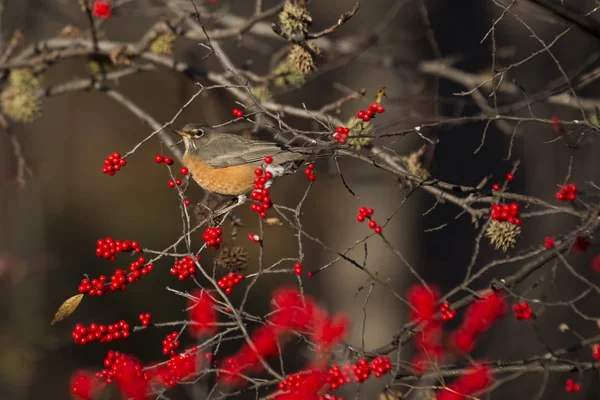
{"x": 225, "y": 163}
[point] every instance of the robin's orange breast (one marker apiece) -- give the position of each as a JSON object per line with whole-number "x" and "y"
{"x": 233, "y": 181}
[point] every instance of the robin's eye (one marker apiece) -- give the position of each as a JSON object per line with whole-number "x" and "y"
{"x": 198, "y": 132}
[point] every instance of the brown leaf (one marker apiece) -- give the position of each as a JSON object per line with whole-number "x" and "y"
{"x": 380, "y": 94}
{"x": 273, "y": 221}
{"x": 67, "y": 308}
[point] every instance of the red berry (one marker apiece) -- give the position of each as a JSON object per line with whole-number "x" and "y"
{"x": 360, "y": 114}
{"x": 101, "y": 9}
{"x": 495, "y": 187}
{"x": 238, "y": 113}
{"x": 268, "y": 160}
{"x": 171, "y": 183}
{"x": 187, "y": 202}
{"x": 596, "y": 263}
{"x": 168, "y": 161}
{"x": 510, "y": 177}
{"x": 184, "y": 171}
{"x": 178, "y": 181}
{"x": 378, "y": 229}
{"x": 549, "y": 242}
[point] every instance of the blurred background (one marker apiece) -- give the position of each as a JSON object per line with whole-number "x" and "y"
{"x": 49, "y": 226}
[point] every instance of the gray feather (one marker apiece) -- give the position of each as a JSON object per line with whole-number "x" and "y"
{"x": 221, "y": 150}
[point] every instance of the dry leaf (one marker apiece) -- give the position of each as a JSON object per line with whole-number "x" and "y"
{"x": 380, "y": 94}
{"x": 273, "y": 221}
{"x": 67, "y": 308}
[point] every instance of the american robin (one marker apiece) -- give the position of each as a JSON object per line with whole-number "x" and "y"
{"x": 224, "y": 163}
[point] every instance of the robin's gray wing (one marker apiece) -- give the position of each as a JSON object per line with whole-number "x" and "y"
{"x": 227, "y": 150}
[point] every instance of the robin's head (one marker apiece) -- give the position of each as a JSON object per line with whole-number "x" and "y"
{"x": 194, "y": 134}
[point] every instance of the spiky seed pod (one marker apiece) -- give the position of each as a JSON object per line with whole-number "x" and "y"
{"x": 358, "y": 127}
{"x": 22, "y": 98}
{"x": 294, "y": 18}
{"x": 203, "y": 211}
{"x": 261, "y": 93}
{"x": 303, "y": 60}
{"x": 286, "y": 76}
{"x": 163, "y": 44}
{"x": 503, "y": 235}
{"x": 232, "y": 259}
{"x": 415, "y": 166}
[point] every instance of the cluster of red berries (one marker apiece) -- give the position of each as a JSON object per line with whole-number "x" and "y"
{"x": 184, "y": 268}
{"x": 556, "y": 124}
{"x": 117, "y": 331}
{"x": 229, "y": 281}
{"x": 113, "y": 363}
{"x": 549, "y": 242}
{"x": 509, "y": 178}
{"x": 305, "y": 385}
{"x": 479, "y": 317}
{"x": 179, "y": 367}
{"x": 596, "y": 352}
{"x": 310, "y": 172}
{"x": 177, "y": 182}
{"x": 298, "y": 268}
{"x": 93, "y": 288}
{"x": 447, "y": 313}
{"x": 357, "y": 372}
{"x": 118, "y": 281}
{"x": 581, "y": 244}
{"x": 238, "y": 113}
{"x": 365, "y": 213}
{"x": 101, "y": 9}
{"x": 567, "y": 193}
{"x": 522, "y": 311}
{"x": 212, "y": 237}
{"x": 113, "y": 164}
{"x": 84, "y": 385}
{"x": 571, "y": 386}
{"x": 338, "y": 376}
{"x": 108, "y": 248}
{"x": 370, "y": 112}
{"x": 506, "y": 212}
{"x": 596, "y": 263}
{"x": 172, "y": 183}
{"x": 260, "y": 194}
{"x": 160, "y": 160}
{"x": 341, "y": 134}
{"x": 170, "y": 343}
{"x": 253, "y": 237}
{"x": 145, "y": 318}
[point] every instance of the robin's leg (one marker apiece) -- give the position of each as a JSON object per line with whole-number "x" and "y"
{"x": 237, "y": 201}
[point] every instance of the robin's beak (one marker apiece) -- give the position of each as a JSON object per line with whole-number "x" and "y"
{"x": 181, "y": 133}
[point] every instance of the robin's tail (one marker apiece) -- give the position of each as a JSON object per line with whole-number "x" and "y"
{"x": 303, "y": 155}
